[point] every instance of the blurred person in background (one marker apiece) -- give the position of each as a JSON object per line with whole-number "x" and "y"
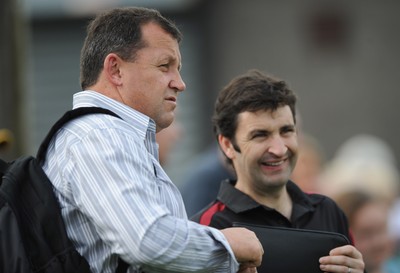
{"x": 6, "y": 139}
{"x": 255, "y": 124}
{"x": 167, "y": 139}
{"x": 203, "y": 178}
{"x": 310, "y": 164}
{"x": 365, "y": 163}
{"x": 6, "y": 142}
{"x": 368, "y": 217}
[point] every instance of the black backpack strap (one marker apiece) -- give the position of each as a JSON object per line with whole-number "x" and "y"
{"x": 122, "y": 266}
{"x": 41, "y": 154}
{"x": 68, "y": 116}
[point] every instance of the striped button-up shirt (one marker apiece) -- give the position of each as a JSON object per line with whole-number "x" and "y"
{"x": 116, "y": 200}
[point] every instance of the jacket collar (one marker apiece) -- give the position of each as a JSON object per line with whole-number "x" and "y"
{"x": 240, "y": 202}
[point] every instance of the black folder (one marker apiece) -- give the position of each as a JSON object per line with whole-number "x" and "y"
{"x": 289, "y": 250}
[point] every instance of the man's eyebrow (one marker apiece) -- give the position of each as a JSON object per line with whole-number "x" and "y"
{"x": 289, "y": 126}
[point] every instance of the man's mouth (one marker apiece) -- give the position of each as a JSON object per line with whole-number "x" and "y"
{"x": 173, "y": 99}
{"x": 273, "y": 164}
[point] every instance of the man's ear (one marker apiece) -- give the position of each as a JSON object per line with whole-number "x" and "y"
{"x": 112, "y": 64}
{"x": 226, "y": 146}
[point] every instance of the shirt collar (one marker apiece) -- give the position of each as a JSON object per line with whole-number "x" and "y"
{"x": 239, "y": 202}
{"x": 138, "y": 120}
{"x": 234, "y": 199}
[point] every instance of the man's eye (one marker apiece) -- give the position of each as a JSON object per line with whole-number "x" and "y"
{"x": 288, "y": 131}
{"x": 259, "y": 135}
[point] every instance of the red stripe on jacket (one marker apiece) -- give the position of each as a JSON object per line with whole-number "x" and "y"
{"x": 206, "y": 217}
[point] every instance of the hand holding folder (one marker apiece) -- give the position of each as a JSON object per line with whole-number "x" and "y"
{"x": 288, "y": 250}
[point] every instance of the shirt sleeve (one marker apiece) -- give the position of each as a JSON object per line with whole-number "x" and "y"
{"x": 114, "y": 185}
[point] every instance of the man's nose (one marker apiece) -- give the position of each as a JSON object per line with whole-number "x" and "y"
{"x": 277, "y": 146}
{"x": 177, "y": 83}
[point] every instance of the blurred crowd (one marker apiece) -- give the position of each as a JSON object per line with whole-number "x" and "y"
{"x": 363, "y": 179}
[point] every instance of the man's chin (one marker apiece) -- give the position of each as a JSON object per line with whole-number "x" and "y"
{"x": 165, "y": 122}
{"x": 278, "y": 182}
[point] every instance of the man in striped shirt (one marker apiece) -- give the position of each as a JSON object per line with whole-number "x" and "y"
{"x": 116, "y": 200}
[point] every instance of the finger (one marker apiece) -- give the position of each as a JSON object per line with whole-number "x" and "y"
{"x": 261, "y": 247}
{"x": 341, "y": 264}
{"x": 347, "y": 250}
{"x": 335, "y": 268}
{"x": 339, "y": 269}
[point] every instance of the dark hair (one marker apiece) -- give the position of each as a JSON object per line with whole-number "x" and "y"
{"x": 252, "y": 91}
{"x": 117, "y": 31}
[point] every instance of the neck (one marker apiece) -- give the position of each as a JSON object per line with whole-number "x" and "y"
{"x": 275, "y": 198}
